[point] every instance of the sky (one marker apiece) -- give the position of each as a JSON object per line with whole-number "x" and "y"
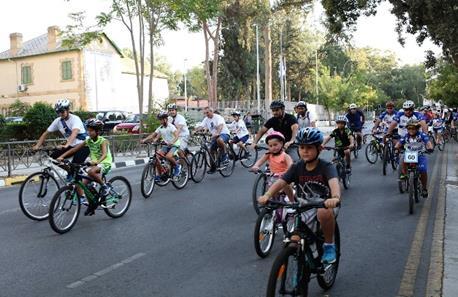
{"x": 31, "y": 18}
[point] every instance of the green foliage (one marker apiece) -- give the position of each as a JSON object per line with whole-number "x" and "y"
{"x": 16, "y": 132}
{"x": 445, "y": 86}
{"x": 196, "y": 83}
{"x": 151, "y": 123}
{"x": 39, "y": 117}
{"x": 84, "y": 115}
{"x": 18, "y": 108}
{"x": 2, "y": 121}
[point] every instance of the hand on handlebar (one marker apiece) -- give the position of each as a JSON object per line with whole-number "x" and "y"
{"x": 332, "y": 202}
{"x": 263, "y": 199}
{"x": 254, "y": 169}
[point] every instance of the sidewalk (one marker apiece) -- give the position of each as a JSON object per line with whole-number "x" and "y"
{"x": 450, "y": 280}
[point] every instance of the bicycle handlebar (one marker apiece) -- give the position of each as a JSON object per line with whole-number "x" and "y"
{"x": 301, "y": 205}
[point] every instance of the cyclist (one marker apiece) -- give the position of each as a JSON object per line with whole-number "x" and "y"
{"x": 322, "y": 177}
{"x": 279, "y": 161}
{"x": 428, "y": 115}
{"x": 385, "y": 117}
{"x": 100, "y": 160}
{"x": 71, "y": 127}
{"x": 415, "y": 135}
{"x": 343, "y": 138}
{"x": 438, "y": 125}
{"x": 216, "y": 124}
{"x": 356, "y": 121}
{"x": 240, "y": 129}
{"x": 171, "y": 136}
{"x": 304, "y": 118}
{"x": 282, "y": 122}
{"x": 179, "y": 122}
{"x": 402, "y": 117}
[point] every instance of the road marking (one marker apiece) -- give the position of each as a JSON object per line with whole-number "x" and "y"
{"x": 104, "y": 271}
{"x": 6, "y": 211}
{"x": 407, "y": 287}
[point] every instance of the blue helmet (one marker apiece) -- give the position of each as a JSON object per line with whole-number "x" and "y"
{"x": 309, "y": 135}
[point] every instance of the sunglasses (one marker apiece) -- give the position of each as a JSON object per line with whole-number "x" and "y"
{"x": 409, "y": 109}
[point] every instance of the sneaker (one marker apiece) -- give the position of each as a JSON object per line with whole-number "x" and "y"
{"x": 348, "y": 170}
{"x": 424, "y": 193}
{"x": 177, "y": 170}
{"x": 83, "y": 200}
{"x": 329, "y": 253}
{"x": 225, "y": 160}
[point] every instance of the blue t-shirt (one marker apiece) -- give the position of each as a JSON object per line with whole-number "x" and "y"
{"x": 355, "y": 120}
{"x": 387, "y": 118}
{"x": 419, "y": 137}
{"x": 402, "y": 120}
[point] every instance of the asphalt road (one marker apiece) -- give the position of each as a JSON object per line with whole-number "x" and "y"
{"x": 198, "y": 242}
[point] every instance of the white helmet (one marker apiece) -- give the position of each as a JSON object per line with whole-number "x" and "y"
{"x": 353, "y": 106}
{"x": 341, "y": 118}
{"x": 62, "y": 104}
{"x": 408, "y": 104}
{"x": 445, "y": 110}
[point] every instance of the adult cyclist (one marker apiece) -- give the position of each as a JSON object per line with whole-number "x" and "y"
{"x": 385, "y": 117}
{"x": 402, "y": 117}
{"x": 282, "y": 122}
{"x": 71, "y": 127}
{"x": 356, "y": 121}
{"x": 304, "y": 118}
{"x": 179, "y": 122}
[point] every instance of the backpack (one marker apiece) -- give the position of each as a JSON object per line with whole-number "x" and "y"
{"x": 68, "y": 132}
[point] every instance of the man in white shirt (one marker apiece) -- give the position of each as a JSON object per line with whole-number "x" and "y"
{"x": 304, "y": 118}
{"x": 219, "y": 131}
{"x": 180, "y": 123}
{"x": 71, "y": 127}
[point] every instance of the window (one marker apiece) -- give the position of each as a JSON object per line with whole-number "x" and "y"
{"x": 67, "y": 73}
{"x": 26, "y": 74}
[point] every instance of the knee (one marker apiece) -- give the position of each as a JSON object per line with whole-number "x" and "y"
{"x": 325, "y": 215}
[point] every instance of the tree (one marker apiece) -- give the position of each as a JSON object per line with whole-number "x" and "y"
{"x": 174, "y": 77}
{"x": 18, "y": 108}
{"x": 436, "y": 19}
{"x": 195, "y": 83}
{"x": 444, "y": 85}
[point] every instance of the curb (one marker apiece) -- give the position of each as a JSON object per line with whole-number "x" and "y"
{"x": 10, "y": 181}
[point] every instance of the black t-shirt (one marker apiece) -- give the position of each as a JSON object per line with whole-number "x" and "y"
{"x": 342, "y": 137}
{"x": 282, "y": 125}
{"x": 317, "y": 179}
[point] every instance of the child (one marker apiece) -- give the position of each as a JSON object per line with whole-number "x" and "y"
{"x": 414, "y": 135}
{"x": 344, "y": 139}
{"x": 279, "y": 161}
{"x": 100, "y": 156}
{"x": 438, "y": 127}
{"x": 317, "y": 174}
{"x": 238, "y": 126}
{"x": 170, "y": 135}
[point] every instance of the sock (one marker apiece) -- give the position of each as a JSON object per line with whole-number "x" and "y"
{"x": 328, "y": 244}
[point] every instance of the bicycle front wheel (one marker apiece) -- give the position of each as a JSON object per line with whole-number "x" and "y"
{"x": 412, "y": 190}
{"x": 181, "y": 180}
{"x": 371, "y": 153}
{"x": 264, "y": 233}
{"x": 386, "y": 158}
{"x": 118, "y": 201}
{"x": 35, "y": 195}
{"x": 259, "y": 188}
{"x": 147, "y": 182}
{"x": 248, "y": 156}
{"x": 227, "y": 169}
{"x": 198, "y": 167}
{"x": 64, "y": 210}
{"x": 290, "y": 274}
{"x": 328, "y": 278}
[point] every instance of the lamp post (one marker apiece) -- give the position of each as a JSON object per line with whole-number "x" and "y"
{"x": 258, "y": 79}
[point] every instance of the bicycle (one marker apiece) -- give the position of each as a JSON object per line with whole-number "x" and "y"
{"x": 36, "y": 192}
{"x": 341, "y": 166}
{"x": 159, "y": 171}
{"x": 245, "y": 155}
{"x": 374, "y": 149}
{"x": 389, "y": 155}
{"x": 65, "y": 205}
{"x": 292, "y": 268}
{"x": 204, "y": 158}
{"x": 412, "y": 183}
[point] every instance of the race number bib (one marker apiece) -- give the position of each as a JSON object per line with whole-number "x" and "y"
{"x": 411, "y": 157}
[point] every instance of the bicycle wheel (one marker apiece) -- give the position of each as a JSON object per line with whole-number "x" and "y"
{"x": 198, "y": 167}
{"x": 147, "y": 181}
{"x": 290, "y": 274}
{"x": 181, "y": 181}
{"x": 327, "y": 279}
{"x": 64, "y": 210}
{"x": 344, "y": 177}
{"x": 259, "y": 188}
{"x": 371, "y": 153}
{"x": 412, "y": 190}
{"x": 35, "y": 195}
{"x": 227, "y": 169}
{"x": 417, "y": 186}
{"x": 402, "y": 184}
{"x": 118, "y": 201}
{"x": 264, "y": 233}
{"x": 394, "y": 160}
{"x": 248, "y": 156}
{"x": 164, "y": 177}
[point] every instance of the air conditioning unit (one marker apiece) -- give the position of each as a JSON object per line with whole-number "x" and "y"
{"x": 22, "y": 88}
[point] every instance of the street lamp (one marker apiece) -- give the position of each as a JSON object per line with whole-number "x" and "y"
{"x": 258, "y": 80}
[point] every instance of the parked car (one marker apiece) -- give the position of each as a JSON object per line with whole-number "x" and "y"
{"x": 13, "y": 119}
{"x": 111, "y": 118}
{"x": 131, "y": 125}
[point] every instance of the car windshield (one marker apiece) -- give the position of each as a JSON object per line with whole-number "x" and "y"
{"x": 132, "y": 118}
{"x": 100, "y": 116}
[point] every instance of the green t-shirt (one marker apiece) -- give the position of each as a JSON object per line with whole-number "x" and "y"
{"x": 95, "y": 148}
{"x": 342, "y": 137}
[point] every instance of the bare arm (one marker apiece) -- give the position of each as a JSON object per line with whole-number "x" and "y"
{"x": 259, "y": 162}
{"x": 176, "y": 134}
{"x": 289, "y": 161}
{"x": 261, "y": 132}
{"x": 376, "y": 124}
{"x": 335, "y": 193}
{"x": 391, "y": 127}
{"x": 72, "y": 151}
{"x": 424, "y": 126}
{"x": 326, "y": 140}
{"x": 72, "y": 137}
{"x": 104, "y": 152}
{"x": 294, "y": 129}
{"x": 41, "y": 140}
{"x": 149, "y": 137}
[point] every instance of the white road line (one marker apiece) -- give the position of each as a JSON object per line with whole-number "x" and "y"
{"x": 104, "y": 271}
{"x": 6, "y": 211}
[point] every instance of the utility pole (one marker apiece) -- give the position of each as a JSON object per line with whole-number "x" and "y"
{"x": 185, "y": 88}
{"x": 316, "y": 76}
{"x": 258, "y": 79}
{"x": 282, "y": 86}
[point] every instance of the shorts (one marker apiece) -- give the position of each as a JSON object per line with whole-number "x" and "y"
{"x": 105, "y": 168}
{"x": 166, "y": 149}
{"x": 310, "y": 217}
{"x": 356, "y": 129}
{"x": 224, "y": 137}
{"x": 184, "y": 142}
{"x": 236, "y": 139}
{"x": 422, "y": 164}
{"x": 78, "y": 158}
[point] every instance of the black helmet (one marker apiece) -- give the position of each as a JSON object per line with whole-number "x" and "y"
{"x": 236, "y": 113}
{"x": 277, "y": 104}
{"x": 162, "y": 115}
{"x": 95, "y": 124}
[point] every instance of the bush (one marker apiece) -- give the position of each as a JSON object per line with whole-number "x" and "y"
{"x": 151, "y": 123}
{"x": 18, "y": 108}
{"x": 15, "y": 132}
{"x": 2, "y": 121}
{"x": 85, "y": 115}
{"x": 39, "y": 117}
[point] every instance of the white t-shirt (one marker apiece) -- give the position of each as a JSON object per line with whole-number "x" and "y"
{"x": 212, "y": 124}
{"x": 240, "y": 128}
{"x": 179, "y": 120}
{"x": 73, "y": 122}
{"x": 167, "y": 133}
{"x": 305, "y": 121}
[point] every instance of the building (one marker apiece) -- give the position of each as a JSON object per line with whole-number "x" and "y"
{"x": 96, "y": 77}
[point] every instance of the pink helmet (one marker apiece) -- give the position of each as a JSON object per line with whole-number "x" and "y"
{"x": 277, "y": 135}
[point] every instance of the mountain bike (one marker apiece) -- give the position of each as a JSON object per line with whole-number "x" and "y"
{"x": 374, "y": 149}
{"x": 65, "y": 205}
{"x": 292, "y": 268}
{"x": 389, "y": 156}
{"x": 37, "y": 190}
{"x": 159, "y": 171}
{"x": 341, "y": 165}
{"x": 245, "y": 155}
